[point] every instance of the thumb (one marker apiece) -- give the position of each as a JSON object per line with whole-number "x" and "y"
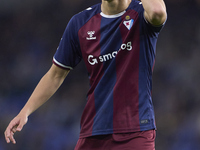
{"x": 22, "y": 122}
{"x": 20, "y": 126}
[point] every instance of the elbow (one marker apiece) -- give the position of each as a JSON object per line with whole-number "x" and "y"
{"x": 158, "y": 16}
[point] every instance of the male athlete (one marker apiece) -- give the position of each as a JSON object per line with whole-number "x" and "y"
{"x": 117, "y": 41}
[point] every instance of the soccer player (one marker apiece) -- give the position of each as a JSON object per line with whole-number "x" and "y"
{"x": 117, "y": 41}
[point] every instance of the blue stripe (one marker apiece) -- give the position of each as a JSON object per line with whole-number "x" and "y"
{"x": 147, "y": 56}
{"x": 104, "y": 103}
{"x": 103, "y": 121}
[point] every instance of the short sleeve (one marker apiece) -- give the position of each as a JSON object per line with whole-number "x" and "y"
{"x": 153, "y": 30}
{"x": 68, "y": 54}
{"x": 152, "y": 27}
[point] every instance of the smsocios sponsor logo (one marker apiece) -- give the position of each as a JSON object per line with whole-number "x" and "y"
{"x": 103, "y": 58}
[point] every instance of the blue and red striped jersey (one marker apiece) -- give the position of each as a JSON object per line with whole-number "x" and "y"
{"x": 119, "y": 53}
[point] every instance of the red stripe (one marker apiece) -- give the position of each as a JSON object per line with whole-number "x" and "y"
{"x": 90, "y": 47}
{"x": 126, "y": 91}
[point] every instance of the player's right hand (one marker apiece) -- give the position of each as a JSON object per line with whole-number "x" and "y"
{"x": 15, "y": 125}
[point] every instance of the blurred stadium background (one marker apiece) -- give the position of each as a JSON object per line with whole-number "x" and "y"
{"x": 30, "y": 31}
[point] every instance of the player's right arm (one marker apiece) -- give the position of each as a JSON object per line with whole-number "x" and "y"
{"x": 47, "y": 86}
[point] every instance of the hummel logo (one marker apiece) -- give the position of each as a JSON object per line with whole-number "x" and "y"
{"x": 91, "y": 33}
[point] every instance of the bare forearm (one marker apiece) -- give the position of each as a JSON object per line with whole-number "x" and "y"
{"x": 43, "y": 91}
{"x": 155, "y": 11}
{"x": 40, "y": 95}
{"x": 47, "y": 86}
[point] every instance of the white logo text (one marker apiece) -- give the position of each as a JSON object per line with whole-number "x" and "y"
{"x": 103, "y": 58}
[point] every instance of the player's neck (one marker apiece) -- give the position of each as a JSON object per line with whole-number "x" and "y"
{"x": 112, "y": 7}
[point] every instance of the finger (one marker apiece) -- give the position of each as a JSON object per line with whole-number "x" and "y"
{"x": 14, "y": 129}
{"x": 7, "y": 139}
{"x": 7, "y": 135}
{"x": 12, "y": 138}
{"x": 20, "y": 126}
{"x": 9, "y": 132}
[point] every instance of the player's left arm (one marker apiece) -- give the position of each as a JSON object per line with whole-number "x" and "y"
{"x": 154, "y": 11}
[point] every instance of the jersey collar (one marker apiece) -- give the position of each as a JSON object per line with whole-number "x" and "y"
{"x": 112, "y": 16}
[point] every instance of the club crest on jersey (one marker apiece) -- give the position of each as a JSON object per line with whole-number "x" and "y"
{"x": 128, "y": 23}
{"x": 91, "y": 35}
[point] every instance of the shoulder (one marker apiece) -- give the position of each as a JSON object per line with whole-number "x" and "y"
{"x": 136, "y": 5}
{"x": 81, "y": 18}
{"x": 87, "y": 14}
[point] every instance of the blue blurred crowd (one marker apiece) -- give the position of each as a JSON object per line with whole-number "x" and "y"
{"x": 29, "y": 36}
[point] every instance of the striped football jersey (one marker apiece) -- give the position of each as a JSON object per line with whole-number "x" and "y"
{"x": 119, "y": 54}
